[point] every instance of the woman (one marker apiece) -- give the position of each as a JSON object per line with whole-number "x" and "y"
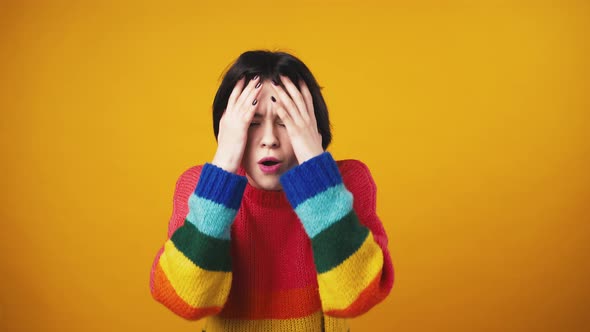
{"x": 273, "y": 234}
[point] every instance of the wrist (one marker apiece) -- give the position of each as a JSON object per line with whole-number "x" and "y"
{"x": 226, "y": 162}
{"x": 308, "y": 154}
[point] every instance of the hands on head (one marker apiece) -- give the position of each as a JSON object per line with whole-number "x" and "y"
{"x": 293, "y": 106}
{"x": 296, "y": 111}
{"x": 233, "y": 126}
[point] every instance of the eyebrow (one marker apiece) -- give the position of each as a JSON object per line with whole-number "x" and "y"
{"x": 259, "y": 116}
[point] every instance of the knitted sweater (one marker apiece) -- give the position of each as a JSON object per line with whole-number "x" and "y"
{"x": 302, "y": 259}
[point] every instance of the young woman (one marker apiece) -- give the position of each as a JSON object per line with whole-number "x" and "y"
{"x": 273, "y": 234}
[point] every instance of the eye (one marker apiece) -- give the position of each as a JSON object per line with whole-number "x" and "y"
{"x": 253, "y": 124}
{"x": 281, "y": 124}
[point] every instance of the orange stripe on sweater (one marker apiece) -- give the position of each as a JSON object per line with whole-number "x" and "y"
{"x": 366, "y": 300}
{"x": 164, "y": 293}
{"x": 278, "y": 304}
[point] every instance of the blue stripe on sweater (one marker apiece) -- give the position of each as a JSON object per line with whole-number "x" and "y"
{"x": 310, "y": 178}
{"x": 220, "y": 186}
{"x": 210, "y": 218}
{"x": 334, "y": 204}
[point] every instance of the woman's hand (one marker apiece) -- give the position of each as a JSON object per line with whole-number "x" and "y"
{"x": 298, "y": 116}
{"x": 234, "y": 123}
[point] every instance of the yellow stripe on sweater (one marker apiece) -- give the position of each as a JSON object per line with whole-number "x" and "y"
{"x": 196, "y": 286}
{"x": 342, "y": 285}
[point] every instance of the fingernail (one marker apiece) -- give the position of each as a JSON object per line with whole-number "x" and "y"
{"x": 255, "y": 102}
{"x": 255, "y": 78}
{"x": 258, "y": 85}
{"x": 273, "y": 99}
{"x": 275, "y": 82}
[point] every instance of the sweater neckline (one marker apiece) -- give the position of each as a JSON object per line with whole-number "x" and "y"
{"x": 266, "y": 198}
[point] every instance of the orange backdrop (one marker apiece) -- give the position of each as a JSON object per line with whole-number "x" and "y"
{"x": 474, "y": 119}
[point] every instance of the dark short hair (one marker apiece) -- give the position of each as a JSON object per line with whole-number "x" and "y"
{"x": 269, "y": 65}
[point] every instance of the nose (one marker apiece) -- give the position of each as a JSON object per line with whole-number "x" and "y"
{"x": 269, "y": 137}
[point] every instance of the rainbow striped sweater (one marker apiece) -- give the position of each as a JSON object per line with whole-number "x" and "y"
{"x": 302, "y": 259}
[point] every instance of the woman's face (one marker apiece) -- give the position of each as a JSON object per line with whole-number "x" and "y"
{"x": 268, "y": 153}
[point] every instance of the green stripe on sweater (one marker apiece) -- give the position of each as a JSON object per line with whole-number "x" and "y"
{"x": 205, "y": 251}
{"x": 336, "y": 243}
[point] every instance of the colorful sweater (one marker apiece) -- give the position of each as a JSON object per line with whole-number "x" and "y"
{"x": 302, "y": 259}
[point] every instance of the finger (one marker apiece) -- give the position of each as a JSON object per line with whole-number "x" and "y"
{"x": 235, "y": 93}
{"x": 252, "y": 97}
{"x": 248, "y": 114}
{"x": 283, "y": 115}
{"x": 296, "y": 97}
{"x": 244, "y": 95}
{"x": 288, "y": 104}
{"x": 308, "y": 100}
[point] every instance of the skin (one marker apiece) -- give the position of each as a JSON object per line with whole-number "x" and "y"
{"x": 285, "y": 129}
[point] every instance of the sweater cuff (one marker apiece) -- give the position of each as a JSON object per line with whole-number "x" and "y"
{"x": 215, "y": 202}
{"x": 310, "y": 178}
{"x": 221, "y": 186}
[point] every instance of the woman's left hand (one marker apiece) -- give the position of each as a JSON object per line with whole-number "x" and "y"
{"x": 298, "y": 115}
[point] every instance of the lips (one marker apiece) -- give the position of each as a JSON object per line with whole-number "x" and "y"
{"x": 269, "y": 165}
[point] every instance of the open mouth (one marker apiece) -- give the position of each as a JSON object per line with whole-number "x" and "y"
{"x": 269, "y": 165}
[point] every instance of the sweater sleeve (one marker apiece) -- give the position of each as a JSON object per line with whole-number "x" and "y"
{"x": 192, "y": 272}
{"x": 349, "y": 243}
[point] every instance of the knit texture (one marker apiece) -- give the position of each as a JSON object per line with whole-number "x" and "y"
{"x": 302, "y": 259}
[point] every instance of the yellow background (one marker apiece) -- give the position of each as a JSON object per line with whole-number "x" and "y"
{"x": 473, "y": 117}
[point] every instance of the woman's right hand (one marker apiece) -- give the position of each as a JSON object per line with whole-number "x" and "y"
{"x": 234, "y": 124}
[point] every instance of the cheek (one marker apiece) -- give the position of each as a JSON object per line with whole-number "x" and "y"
{"x": 248, "y": 148}
{"x": 284, "y": 138}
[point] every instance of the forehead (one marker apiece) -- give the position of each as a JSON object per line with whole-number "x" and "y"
{"x": 265, "y": 105}
{"x": 267, "y": 91}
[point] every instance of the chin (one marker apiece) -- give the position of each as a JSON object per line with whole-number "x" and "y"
{"x": 265, "y": 183}
{"x": 270, "y": 185}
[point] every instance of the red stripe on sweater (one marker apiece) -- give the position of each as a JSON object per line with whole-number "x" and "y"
{"x": 283, "y": 304}
{"x": 271, "y": 250}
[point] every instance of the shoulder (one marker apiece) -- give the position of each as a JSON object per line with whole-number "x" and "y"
{"x": 189, "y": 177}
{"x": 356, "y": 176}
{"x": 357, "y": 179}
{"x": 353, "y": 171}
{"x": 186, "y": 183}
{"x": 185, "y": 186}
